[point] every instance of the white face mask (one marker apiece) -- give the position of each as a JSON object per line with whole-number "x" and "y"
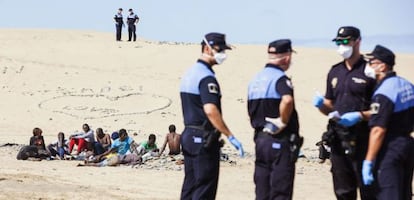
{"x": 345, "y": 51}
{"x": 370, "y": 71}
{"x": 219, "y": 57}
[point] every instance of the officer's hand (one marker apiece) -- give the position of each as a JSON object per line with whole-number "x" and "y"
{"x": 273, "y": 125}
{"x": 350, "y": 118}
{"x": 318, "y": 100}
{"x": 237, "y": 145}
{"x": 367, "y": 176}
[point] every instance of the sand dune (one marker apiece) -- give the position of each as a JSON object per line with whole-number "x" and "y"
{"x": 59, "y": 79}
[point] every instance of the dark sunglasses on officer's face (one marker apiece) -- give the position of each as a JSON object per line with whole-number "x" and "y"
{"x": 344, "y": 41}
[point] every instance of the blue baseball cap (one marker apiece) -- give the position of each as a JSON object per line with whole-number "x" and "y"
{"x": 216, "y": 39}
{"x": 383, "y": 54}
{"x": 280, "y": 46}
{"x": 347, "y": 32}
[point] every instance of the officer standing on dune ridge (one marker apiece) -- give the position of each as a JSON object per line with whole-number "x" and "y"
{"x": 132, "y": 20}
{"x": 119, "y": 23}
{"x": 200, "y": 99}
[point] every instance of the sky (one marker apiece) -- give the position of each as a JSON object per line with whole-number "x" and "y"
{"x": 306, "y": 22}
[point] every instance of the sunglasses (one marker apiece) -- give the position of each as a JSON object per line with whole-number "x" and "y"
{"x": 344, "y": 41}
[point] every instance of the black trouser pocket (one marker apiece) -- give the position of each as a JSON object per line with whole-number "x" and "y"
{"x": 192, "y": 141}
{"x": 268, "y": 151}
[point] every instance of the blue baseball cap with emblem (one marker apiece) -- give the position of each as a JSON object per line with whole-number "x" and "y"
{"x": 347, "y": 32}
{"x": 216, "y": 39}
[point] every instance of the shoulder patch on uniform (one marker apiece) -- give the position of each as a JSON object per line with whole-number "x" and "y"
{"x": 213, "y": 88}
{"x": 289, "y": 83}
{"x": 334, "y": 82}
{"x": 374, "y": 108}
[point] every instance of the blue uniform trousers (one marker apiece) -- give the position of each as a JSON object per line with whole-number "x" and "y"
{"x": 346, "y": 169}
{"x": 201, "y": 166}
{"x": 274, "y": 169}
{"x": 118, "y": 32}
{"x": 132, "y": 32}
{"x": 394, "y": 164}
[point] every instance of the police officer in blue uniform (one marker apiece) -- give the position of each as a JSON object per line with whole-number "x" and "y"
{"x": 348, "y": 93}
{"x": 201, "y": 103}
{"x": 274, "y": 118}
{"x": 119, "y": 23}
{"x": 132, "y": 20}
{"x": 390, "y": 153}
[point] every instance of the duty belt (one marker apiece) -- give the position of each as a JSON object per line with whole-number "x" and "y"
{"x": 199, "y": 127}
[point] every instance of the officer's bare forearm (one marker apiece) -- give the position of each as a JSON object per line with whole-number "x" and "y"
{"x": 376, "y": 138}
{"x": 286, "y": 108}
{"x": 326, "y": 107}
{"x": 216, "y": 119}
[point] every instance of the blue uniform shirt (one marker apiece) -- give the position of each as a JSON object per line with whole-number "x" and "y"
{"x": 119, "y": 19}
{"x": 132, "y": 18}
{"x": 198, "y": 87}
{"x": 349, "y": 90}
{"x": 392, "y": 105}
{"x": 264, "y": 95}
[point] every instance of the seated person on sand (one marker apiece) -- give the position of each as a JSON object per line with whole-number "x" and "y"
{"x": 173, "y": 140}
{"x": 83, "y": 140}
{"x": 60, "y": 147}
{"x": 121, "y": 146}
{"x": 37, "y": 139}
{"x": 148, "y": 146}
{"x": 103, "y": 141}
{"x": 148, "y": 149}
{"x": 36, "y": 149}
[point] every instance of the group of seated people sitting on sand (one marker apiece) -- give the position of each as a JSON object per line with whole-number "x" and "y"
{"x": 105, "y": 150}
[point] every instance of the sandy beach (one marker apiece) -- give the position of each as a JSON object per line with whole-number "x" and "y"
{"x": 60, "y": 79}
